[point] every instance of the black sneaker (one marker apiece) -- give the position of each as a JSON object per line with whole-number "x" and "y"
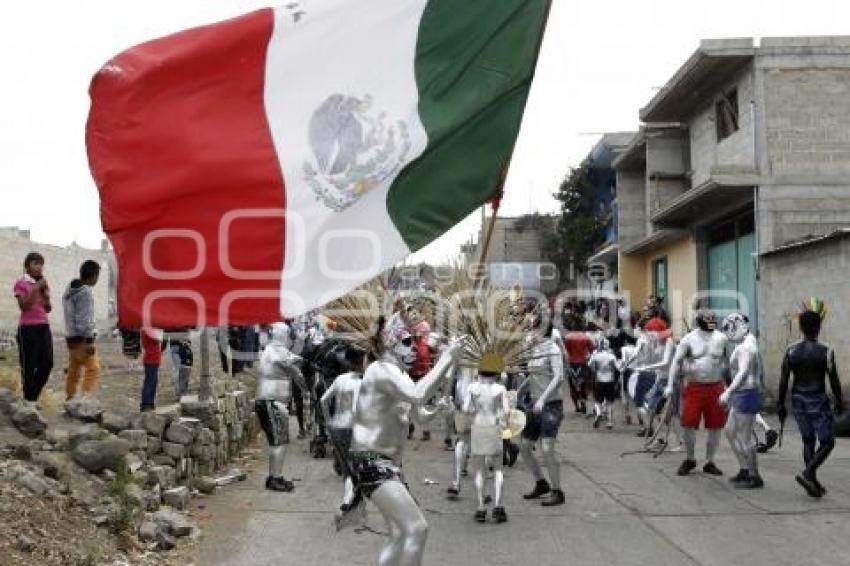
{"x": 742, "y": 476}
{"x": 499, "y": 515}
{"x": 453, "y": 491}
{"x": 556, "y": 497}
{"x": 279, "y": 484}
{"x": 448, "y": 444}
{"x": 752, "y": 482}
{"x": 819, "y": 485}
{"x": 481, "y": 515}
{"x": 540, "y": 488}
{"x": 687, "y": 467}
{"x": 809, "y": 486}
{"x": 710, "y": 468}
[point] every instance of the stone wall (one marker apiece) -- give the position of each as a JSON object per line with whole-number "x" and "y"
{"x": 61, "y": 266}
{"x": 787, "y": 278}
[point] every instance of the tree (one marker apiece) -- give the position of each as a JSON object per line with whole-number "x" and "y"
{"x": 579, "y": 230}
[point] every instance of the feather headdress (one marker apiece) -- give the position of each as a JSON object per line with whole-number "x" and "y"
{"x": 361, "y": 316}
{"x": 815, "y": 305}
{"x": 495, "y": 339}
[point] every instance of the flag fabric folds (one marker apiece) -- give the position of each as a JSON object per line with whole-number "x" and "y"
{"x": 262, "y": 166}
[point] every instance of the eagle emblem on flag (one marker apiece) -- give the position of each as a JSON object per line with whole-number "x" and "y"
{"x": 354, "y": 150}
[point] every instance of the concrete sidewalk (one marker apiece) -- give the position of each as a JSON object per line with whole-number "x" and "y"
{"x": 620, "y": 510}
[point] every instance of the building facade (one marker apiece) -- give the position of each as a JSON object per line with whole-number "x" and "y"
{"x": 515, "y": 253}
{"x": 745, "y": 150}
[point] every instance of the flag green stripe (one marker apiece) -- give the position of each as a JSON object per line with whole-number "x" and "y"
{"x": 474, "y": 65}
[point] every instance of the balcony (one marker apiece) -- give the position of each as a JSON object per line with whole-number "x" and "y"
{"x": 720, "y": 194}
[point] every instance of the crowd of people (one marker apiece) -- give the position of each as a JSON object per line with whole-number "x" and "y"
{"x": 361, "y": 389}
{"x": 712, "y": 376}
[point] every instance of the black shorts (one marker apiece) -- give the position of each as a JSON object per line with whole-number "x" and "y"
{"x": 546, "y": 424}
{"x": 579, "y": 376}
{"x": 605, "y": 391}
{"x": 371, "y": 470}
{"x": 274, "y": 419}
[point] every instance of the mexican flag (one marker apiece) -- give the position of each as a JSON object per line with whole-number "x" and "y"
{"x": 263, "y": 166}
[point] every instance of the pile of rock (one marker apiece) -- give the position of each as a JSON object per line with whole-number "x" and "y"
{"x": 171, "y": 453}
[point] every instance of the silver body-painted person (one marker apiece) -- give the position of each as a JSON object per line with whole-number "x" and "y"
{"x": 379, "y": 433}
{"x": 744, "y": 397}
{"x": 278, "y": 371}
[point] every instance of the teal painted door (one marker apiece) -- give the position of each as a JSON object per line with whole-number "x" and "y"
{"x": 731, "y": 277}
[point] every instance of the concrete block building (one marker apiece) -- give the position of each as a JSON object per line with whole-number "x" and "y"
{"x": 515, "y": 254}
{"x": 743, "y": 152}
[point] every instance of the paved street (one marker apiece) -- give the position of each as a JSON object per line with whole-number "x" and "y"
{"x": 630, "y": 510}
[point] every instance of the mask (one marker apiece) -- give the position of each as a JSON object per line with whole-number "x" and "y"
{"x": 736, "y": 326}
{"x": 403, "y": 352}
{"x": 706, "y": 321}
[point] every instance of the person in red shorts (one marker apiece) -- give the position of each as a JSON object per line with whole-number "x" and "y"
{"x": 579, "y": 348}
{"x": 703, "y": 352}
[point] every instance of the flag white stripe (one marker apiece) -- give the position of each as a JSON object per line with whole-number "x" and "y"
{"x": 363, "y": 51}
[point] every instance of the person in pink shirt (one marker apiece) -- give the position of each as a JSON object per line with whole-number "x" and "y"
{"x": 35, "y": 342}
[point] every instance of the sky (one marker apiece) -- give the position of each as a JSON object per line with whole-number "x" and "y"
{"x": 600, "y": 62}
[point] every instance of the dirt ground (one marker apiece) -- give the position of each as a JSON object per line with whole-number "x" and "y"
{"x": 62, "y": 528}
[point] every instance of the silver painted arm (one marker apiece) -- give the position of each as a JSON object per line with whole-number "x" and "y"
{"x": 417, "y": 393}
{"x": 328, "y": 395}
{"x": 743, "y": 367}
{"x": 676, "y": 366}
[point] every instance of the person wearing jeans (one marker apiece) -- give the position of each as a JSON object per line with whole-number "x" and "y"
{"x": 151, "y": 359}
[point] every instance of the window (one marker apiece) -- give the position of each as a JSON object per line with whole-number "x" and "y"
{"x": 726, "y": 114}
{"x": 659, "y": 279}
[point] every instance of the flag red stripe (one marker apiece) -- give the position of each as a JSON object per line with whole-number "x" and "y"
{"x": 177, "y": 138}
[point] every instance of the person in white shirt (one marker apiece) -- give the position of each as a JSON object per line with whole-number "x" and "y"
{"x": 603, "y": 365}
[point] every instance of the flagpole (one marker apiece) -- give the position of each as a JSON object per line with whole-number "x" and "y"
{"x": 499, "y": 190}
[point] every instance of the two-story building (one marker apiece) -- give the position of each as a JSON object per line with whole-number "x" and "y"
{"x": 745, "y": 150}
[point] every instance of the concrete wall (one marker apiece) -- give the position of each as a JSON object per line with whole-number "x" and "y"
{"x": 511, "y": 244}
{"x": 786, "y": 279}
{"x": 60, "y": 267}
{"x": 732, "y": 153}
{"x": 635, "y": 278}
{"x": 631, "y": 206}
{"x": 806, "y": 189}
{"x": 631, "y": 279}
{"x": 681, "y": 279}
{"x": 666, "y": 158}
